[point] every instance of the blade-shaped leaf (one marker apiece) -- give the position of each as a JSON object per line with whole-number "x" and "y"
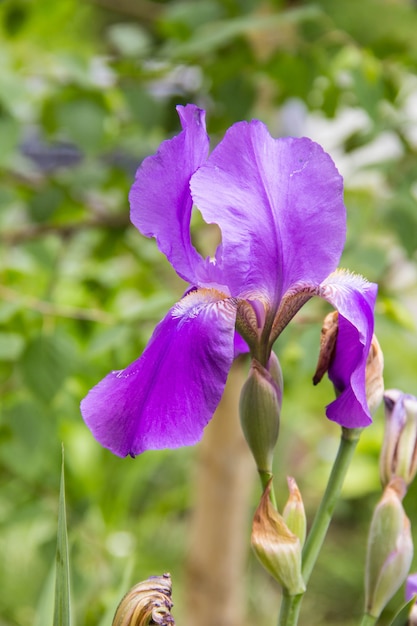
{"x": 62, "y": 610}
{"x": 401, "y": 619}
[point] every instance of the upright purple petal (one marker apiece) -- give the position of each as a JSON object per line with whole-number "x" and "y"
{"x": 279, "y": 205}
{"x": 166, "y": 397}
{"x": 354, "y": 298}
{"x": 160, "y": 199}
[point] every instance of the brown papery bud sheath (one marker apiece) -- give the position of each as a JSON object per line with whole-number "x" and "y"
{"x": 277, "y": 548}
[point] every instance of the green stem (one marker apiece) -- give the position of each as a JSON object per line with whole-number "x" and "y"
{"x": 291, "y": 605}
{"x": 368, "y": 620}
{"x": 348, "y": 442}
{"x": 265, "y": 478}
{"x": 290, "y": 609}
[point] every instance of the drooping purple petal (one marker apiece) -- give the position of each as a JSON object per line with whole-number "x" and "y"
{"x": 160, "y": 198}
{"x": 166, "y": 397}
{"x": 279, "y": 205}
{"x": 354, "y": 298}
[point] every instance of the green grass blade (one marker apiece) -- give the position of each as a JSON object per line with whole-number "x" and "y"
{"x": 62, "y": 610}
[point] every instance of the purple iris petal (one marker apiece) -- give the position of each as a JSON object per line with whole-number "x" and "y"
{"x": 279, "y": 205}
{"x": 241, "y": 347}
{"x": 166, "y": 397}
{"x": 160, "y": 197}
{"x": 354, "y": 298}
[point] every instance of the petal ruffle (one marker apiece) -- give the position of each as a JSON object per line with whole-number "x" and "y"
{"x": 166, "y": 397}
{"x": 279, "y": 205}
{"x": 160, "y": 198}
{"x": 354, "y": 298}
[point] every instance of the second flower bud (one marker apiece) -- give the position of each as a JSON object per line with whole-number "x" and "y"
{"x": 260, "y": 407}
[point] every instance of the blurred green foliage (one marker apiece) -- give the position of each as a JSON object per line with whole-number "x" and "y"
{"x": 88, "y": 89}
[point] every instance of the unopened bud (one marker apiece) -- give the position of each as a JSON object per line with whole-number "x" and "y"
{"x": 410, "y": 593}
{"x": 260, "y": 406}
{"x": 374, "y": 382}
{"x": 148, "y": 602}
{"x": 294, "y": 514}
{"x": 399, "y": 450}
{"x": 277, "y": 548}
{"x": 390, "y": 549}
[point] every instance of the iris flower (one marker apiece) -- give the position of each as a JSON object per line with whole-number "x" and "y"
{"x": 279, "y": 206}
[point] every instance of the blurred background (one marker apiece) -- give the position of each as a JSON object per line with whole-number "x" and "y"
{"x": 87, "y": 90}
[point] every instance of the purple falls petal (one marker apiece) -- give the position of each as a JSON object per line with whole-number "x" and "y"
{"x": 166, "y": 397}
{"x": 354, "y": 298}
{"x": 160, "y": 199}
{"x": 279, "y": 205}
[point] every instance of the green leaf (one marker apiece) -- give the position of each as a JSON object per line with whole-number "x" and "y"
{"x": 214, "y": 35}
{"x": 129, "y": 39}
{"x": 83, "y": 120}
{"x": 109, "y": 339}
{"x": 10, "y": 134}
{"x": 401, "y": 619}
{"x": 11, "y": 346}
{"x": 46, "y": 363}
{"x": 62, "y": 610}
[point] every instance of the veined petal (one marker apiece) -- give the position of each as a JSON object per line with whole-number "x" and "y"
{"x": 160, "y": 198}
{"x": 354, "y": 298}
{"x": 279, "y": 205}
{"x": 166, "y": 397}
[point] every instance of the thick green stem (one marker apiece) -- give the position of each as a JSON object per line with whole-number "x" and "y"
{"x": 348, "y": 442}
{"x": 368, "y": 620}
{"x": 291, "y": 605}
{"x": 290, "y": 609}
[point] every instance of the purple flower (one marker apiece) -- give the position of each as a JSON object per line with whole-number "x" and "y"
{"x": 279, "y": 206}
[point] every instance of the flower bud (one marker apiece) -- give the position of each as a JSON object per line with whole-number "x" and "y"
{"x": 260, "y": 406}
{"x": 374, "y": 382}
{"x": 294, "y": 514}
{"x": 277, "y": 548}
{"x": 148, "y": 602}
{"x": 390, "y": 549}
{"x": 410, "y": 593}
{"x": 399, "y": 450}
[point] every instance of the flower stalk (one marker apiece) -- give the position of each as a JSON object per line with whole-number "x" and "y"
{"x": 291, "y": 605}
{"x": 348, "y": 442}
